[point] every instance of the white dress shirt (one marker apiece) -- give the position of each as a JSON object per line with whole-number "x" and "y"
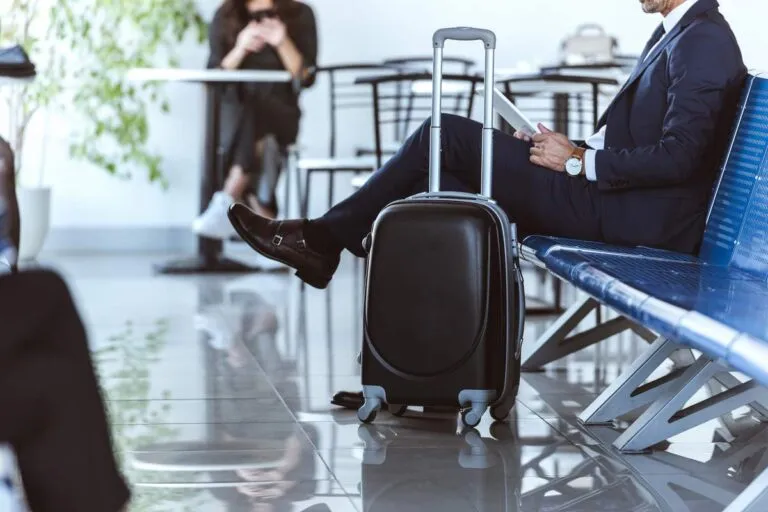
{"x": 597, "y": 141}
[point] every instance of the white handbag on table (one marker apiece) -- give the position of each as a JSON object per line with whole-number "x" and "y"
{"x": 589, "y": 45}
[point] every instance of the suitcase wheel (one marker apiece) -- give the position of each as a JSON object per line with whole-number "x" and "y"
{"x": 398, "y": 410}
{"x": 475, "y": 402}
{"x": 470, "y": 418}
{"x": 499, "y": 413}
{"x": 375, "y": 397}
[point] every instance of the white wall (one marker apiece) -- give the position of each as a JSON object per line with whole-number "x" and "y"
{"x": 356, "y": 30}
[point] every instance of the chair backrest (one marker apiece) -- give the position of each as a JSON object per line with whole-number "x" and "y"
{"x": 737, "y": 225}
{"x": 345, "y": 94}
{"x": 403, "y": 101}
{"x": 451, "y": 64}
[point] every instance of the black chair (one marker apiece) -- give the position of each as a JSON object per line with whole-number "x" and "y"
{"x": 345, "y": 95}
{"x": 403, "y": 100}
{"x": 405, "y": 65}
{"x": 347, "y": 92}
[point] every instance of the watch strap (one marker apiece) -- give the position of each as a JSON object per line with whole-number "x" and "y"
{"x": 579, "y": 152}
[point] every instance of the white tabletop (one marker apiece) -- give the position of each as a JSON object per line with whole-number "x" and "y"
{"x": 206, "y": 75}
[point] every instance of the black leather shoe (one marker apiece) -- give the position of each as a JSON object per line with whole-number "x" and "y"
{"x": 348, "y": 399}
{"x": 283, "y": 241}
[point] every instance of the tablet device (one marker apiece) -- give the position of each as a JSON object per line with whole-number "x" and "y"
{"x": 510, "y": 113}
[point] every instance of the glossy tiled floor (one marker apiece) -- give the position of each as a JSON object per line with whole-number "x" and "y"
{"x": 218, "y": 393}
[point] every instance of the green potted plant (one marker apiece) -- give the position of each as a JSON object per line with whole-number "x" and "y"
{"x": 83, "y": 49}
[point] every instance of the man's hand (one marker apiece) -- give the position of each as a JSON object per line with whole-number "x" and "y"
{"x": 551, "y": 149}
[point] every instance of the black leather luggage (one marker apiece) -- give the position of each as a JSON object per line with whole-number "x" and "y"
{"x": 444, "y": 305}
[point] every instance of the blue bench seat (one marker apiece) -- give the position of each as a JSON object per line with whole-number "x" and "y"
{"x": 715, "y": 302}
{"x": 681, "y": 297}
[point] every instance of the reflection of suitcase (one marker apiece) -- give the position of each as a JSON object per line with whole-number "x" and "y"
{"x": 444, "y": 299}
{"x": 470, "y": 473}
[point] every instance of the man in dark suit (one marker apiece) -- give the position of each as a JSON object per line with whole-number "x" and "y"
{"x": 644, "y": 178}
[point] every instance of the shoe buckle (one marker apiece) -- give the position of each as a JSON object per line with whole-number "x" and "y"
{"x": 277, "y": 240}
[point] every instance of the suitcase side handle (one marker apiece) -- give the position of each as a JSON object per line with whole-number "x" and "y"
{"x": 464, "y": 34}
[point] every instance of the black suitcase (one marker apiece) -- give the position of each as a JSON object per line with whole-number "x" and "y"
{"x": 444, "y": 301}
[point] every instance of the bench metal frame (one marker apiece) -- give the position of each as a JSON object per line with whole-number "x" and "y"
{"x": 558, "y": 340}
{"x": 663, "y": 471}
{"x": 663, "y": 398}
{"x": 666, "y": 397}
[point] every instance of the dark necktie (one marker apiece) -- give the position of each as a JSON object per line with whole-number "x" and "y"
{"x": 657, "y": 36}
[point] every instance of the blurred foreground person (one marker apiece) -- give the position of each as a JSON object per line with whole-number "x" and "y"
{"x": 51, "y": 410}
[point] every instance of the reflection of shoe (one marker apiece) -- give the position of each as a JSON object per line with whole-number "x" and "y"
{"x": 220, "y": 324}
{"x": 348, "y": 399}
{"x": 284, "y": 241}
{"x": 213, "y": 222}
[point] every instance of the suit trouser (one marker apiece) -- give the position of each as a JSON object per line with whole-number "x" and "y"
{"x": 51, "y": 410}
{"x": 540, "y": 201}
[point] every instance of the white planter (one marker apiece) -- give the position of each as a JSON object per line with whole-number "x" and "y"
{"x": 35, "y": 213}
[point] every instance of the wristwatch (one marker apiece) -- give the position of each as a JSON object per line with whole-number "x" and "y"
{"x": 574, "y": 166}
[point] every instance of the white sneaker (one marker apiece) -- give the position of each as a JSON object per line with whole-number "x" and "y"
{"x": 213, "y": 222}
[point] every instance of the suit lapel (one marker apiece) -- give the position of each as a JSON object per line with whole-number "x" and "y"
{"x": 700, "y": 7}
{"x": 642, "y": 66}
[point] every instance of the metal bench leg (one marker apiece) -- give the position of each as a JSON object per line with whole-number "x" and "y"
{"x": 728, "y": 381}
{"x": 628, "y": 392}
{"x": 754, "y": 498}
{"x": 556, "y": 343}
{"x": 668, "y": 416}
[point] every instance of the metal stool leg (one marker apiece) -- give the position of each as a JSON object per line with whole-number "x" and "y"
{"x": 305, "y": 197}
{"x": 288, "y": 171}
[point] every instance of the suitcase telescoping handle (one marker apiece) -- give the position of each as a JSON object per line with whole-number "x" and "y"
{"x": 489, "y": 40}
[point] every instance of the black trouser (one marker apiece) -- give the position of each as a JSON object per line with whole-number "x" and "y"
{"x": 259, "y": 121}
{"x": 540, "y": 201}
{"x": 51, "y": 411}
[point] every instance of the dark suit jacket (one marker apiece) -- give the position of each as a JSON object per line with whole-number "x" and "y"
{"x": 667, "y": 131}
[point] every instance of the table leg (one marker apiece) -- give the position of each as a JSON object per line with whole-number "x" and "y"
{"x": 209, "y": 258}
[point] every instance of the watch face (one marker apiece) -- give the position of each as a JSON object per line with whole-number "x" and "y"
{"x": 573, "y": 166}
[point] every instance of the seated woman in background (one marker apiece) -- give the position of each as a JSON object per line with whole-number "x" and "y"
{"x": 257, "y": 35}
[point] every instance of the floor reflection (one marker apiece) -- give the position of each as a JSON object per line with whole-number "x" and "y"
{"x": 218, "y": 390}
